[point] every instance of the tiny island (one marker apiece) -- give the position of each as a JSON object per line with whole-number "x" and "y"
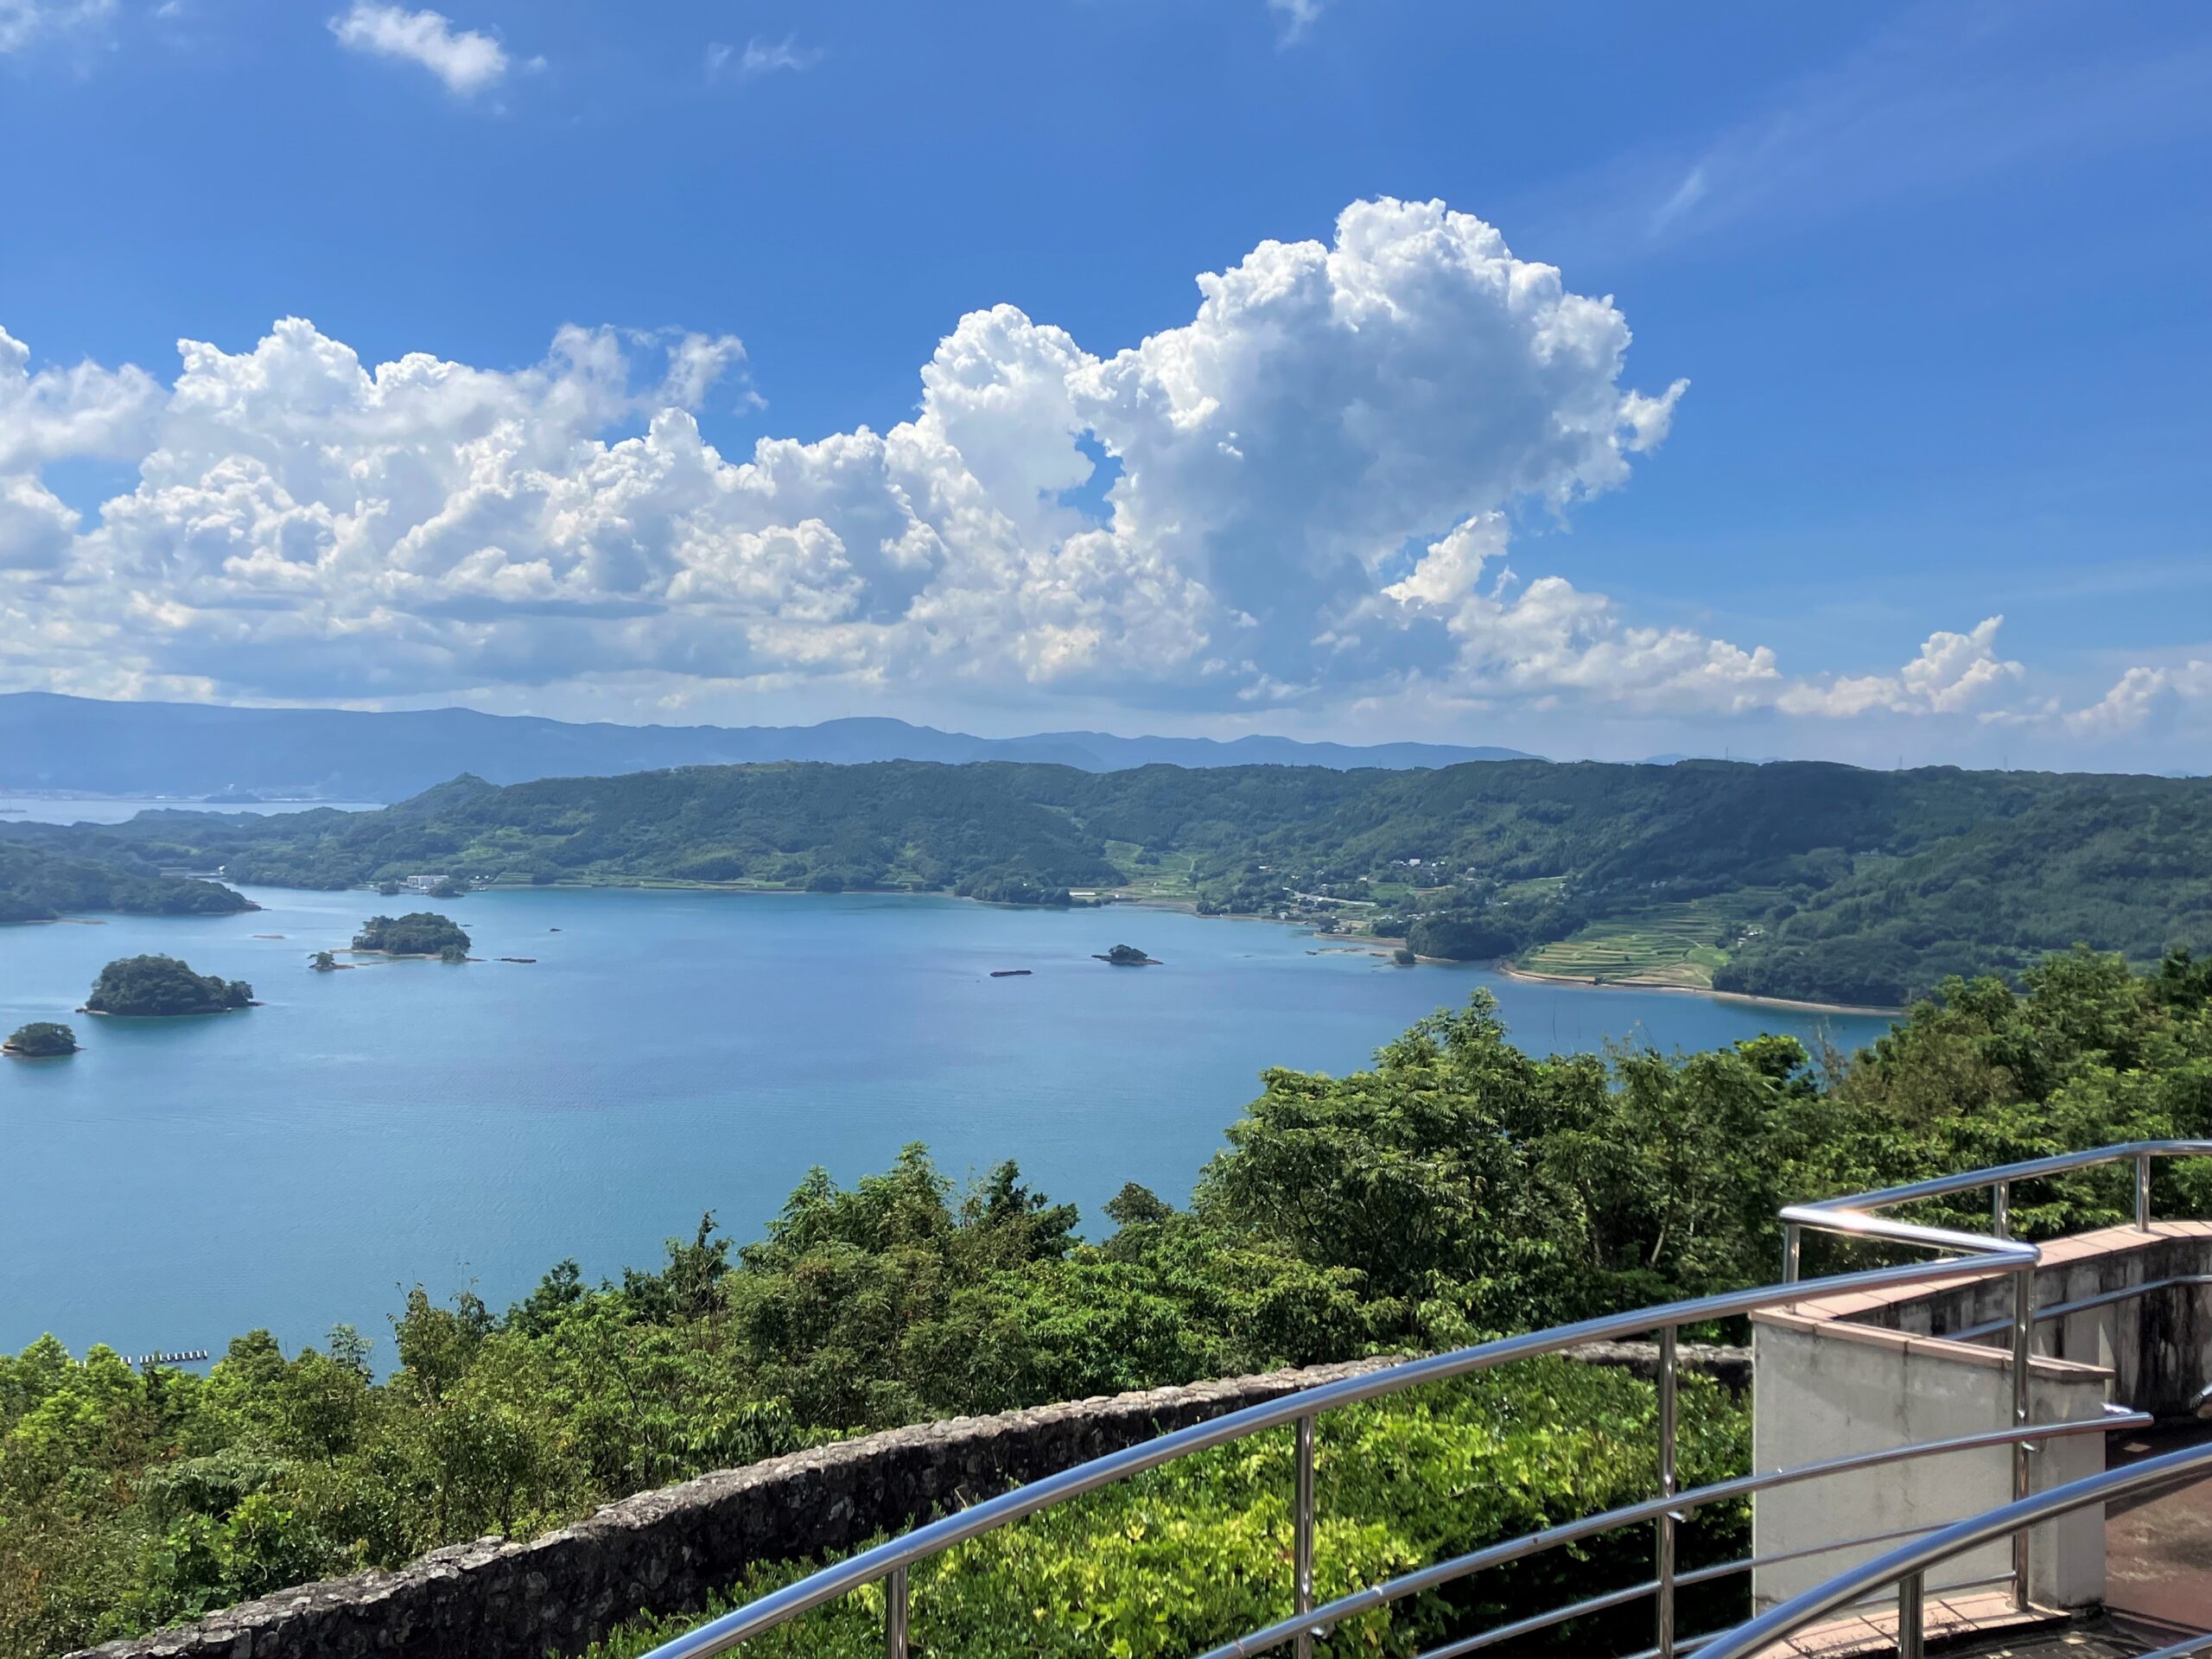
{"x": 418, "y": 933}
{"x": 41, "y": 1039}
{"x": 1128, "y": 955}
{"x": 163, "y": 986}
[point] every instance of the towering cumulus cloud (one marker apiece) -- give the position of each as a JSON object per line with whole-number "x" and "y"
{"x": 1309, "y": 492}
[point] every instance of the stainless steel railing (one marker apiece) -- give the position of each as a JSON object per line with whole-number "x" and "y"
{"x": 1908, "y": 1565}
{"x": 1976, "y": 1256}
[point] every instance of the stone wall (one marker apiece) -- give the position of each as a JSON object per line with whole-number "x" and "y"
{"x": 666, "y": 1551}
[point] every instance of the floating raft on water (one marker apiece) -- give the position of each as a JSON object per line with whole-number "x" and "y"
{"x": 192, "y": 1357}
{"x": 1011, "y": 973}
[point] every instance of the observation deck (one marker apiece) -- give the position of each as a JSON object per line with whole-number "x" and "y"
{"x": 1929, "y": 1455}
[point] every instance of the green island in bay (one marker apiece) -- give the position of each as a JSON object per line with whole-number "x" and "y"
{"x": 163, "y": 986}
{"x": 418, "y": 933}
{"x": 41, "y": 1039}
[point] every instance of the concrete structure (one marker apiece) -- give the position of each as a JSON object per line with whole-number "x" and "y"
{"x": 1849, "y": 1373}
{"x": 1828, "y": 1387}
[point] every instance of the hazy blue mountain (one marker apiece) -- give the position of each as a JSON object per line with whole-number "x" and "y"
{"x": 50, "y": 743}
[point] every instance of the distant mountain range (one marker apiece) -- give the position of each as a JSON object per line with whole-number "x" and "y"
{"x": 57, "y": 744}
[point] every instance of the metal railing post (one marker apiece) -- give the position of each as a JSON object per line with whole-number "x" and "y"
{"x": 1793, "y": 1246}
{"x": 1303, "y": 1536}
{"x": 1912, "y": 1601}
{"x": 894, "y": 1614}
{"x": 1669, "y": 1377}
{"x": 2143, "y": 1191}
{"x": 2000, "y": 1210}
{"x": 2023, "y": 1307}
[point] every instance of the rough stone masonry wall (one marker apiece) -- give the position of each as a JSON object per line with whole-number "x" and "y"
{"x": 666, "y": 1551}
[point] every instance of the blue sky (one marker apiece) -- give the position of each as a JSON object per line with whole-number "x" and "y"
{"x": 1934, "y": 276}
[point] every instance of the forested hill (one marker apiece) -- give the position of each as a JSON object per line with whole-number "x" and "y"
{"x": 39, "y": 885}
{"x": 1801, "y": 879}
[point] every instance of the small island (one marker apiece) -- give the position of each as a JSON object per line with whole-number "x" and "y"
{"x": 41, "y": 1039}
{"x": 418, "y": 933}
{"x": 162, "y": 985}
{"x": 1128, "y": 955}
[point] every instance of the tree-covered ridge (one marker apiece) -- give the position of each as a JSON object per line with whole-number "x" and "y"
{"x": 418, "y": 933}
{"x": 163, "y": 985}
{"x": 1811, "y": 881}
{"x": 39, "y": 885}
{"x": 1456, "y": 1189}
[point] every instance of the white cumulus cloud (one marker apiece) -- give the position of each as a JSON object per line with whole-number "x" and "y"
{"x": 2143, "y": 697}
{"x": 466, "y": 60}
{"x": 1309, "y": 496}
{"x": 1954, "y": 673}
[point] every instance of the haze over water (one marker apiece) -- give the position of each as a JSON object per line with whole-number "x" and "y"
{"x": 300, "y": 1163}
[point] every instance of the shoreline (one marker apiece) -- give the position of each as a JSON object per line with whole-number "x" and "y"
{"x": 1802, "y": 1007}
{"x": 178, "y": 1014}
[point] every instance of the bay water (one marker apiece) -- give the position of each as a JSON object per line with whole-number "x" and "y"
{"x": 667, "y": 1053}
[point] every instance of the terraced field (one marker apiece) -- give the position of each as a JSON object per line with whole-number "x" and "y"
{"x": 1164, "y": 875}
{"x": 1669, "y": 944}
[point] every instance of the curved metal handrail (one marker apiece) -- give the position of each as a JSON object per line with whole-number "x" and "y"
{"x": 1986, "y": 1255}
{"x": 1676, "y": 1505}
{"x": 899, "y": 1553}
{"x": 1853, "y": 1213}
{"x": 1906, "y": 1565}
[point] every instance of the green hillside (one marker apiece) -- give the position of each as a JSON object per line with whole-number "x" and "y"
{"x": 1799, "y": 880}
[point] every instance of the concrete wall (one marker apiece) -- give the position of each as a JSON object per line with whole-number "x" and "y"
{"x": 2159, "y": 1346}
{"x": 1855, "y": 1372}
{"x": 1827, "y": 1388}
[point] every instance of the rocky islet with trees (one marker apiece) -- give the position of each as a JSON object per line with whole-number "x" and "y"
{"x": 163, "y": 986}
{"x": 41, "y": 1039}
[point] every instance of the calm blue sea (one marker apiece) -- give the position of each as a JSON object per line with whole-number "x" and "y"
{"x": 303, "y": 1162}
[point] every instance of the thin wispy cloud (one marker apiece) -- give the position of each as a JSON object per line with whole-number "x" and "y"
{"x": 1297, "y": 16}
{"x": 467, "y": 60}
{"x": 1946, "y": 97}
{"x": 23, "y": 21}
{"x": 759, "y": 57}
{"x": 1686, "y": 195}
